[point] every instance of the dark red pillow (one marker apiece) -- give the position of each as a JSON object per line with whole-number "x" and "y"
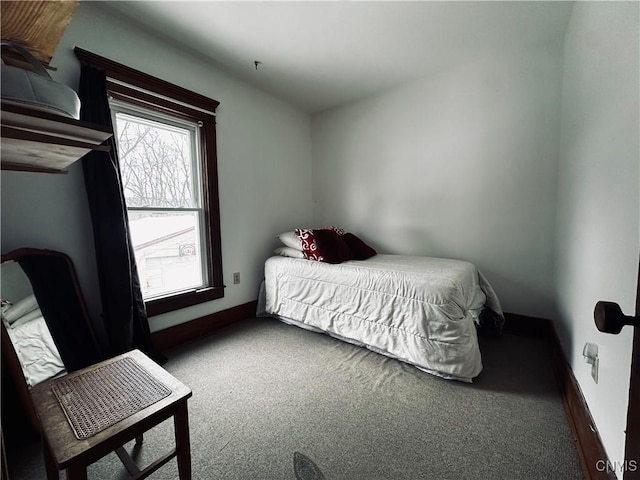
{"x": 308, "y": 241}
{"x": 359, "y": 249}
{"x": 330, "y": 246}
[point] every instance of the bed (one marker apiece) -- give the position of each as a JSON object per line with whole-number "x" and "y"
{"x": 420, "y": 310}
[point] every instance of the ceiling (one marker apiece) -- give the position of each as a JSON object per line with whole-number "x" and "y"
{"x": 318, "y": 55}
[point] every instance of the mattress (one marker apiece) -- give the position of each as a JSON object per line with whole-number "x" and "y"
{"x": 420, "y": 310}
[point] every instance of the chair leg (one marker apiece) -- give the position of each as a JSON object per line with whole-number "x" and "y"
{"x": 127, "y": 461}
{"x": 77, "y": 473}
{"x": 139, "y": 439}
{"x": 49, "y": 464}
{"x": 183, "y": 447}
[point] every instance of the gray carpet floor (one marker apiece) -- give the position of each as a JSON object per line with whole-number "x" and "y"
{"x": 263, "y": 390}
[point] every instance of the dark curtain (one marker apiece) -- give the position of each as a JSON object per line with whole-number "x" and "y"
{"x": 124, "y": 313}
{"x": 55, "y": 290}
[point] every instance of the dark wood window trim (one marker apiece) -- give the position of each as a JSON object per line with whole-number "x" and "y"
{"x": 191, "y": 106}
{"x": 131, "y": 76}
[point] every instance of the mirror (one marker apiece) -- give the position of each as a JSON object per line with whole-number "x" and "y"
{"x": 46, "y": 330}
{"x": 29, "y": 334}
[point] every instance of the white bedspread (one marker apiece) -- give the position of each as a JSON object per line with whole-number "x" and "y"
{"x": 35, "y": 349}
{"x": 420, "y": 310}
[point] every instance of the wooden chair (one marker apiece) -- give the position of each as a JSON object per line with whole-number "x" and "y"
{"x": 61, "y": 447}
{"x": 64, "y": 450}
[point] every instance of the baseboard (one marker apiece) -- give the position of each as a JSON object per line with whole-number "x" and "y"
{"x": 201, "y": 327}
{"x": 593, "y": 457}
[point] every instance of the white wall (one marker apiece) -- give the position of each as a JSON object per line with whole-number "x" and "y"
{"x": 264, "y": 163}
{"x": 461, "y": 165}
{"x": 598, "y": 228}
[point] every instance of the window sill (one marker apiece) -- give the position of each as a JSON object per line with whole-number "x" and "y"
{"x": 177, "y": 301}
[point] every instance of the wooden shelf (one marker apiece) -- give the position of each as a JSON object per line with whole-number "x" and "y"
{"x": 36, "y": 141}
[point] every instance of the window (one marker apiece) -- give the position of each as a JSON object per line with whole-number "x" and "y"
{"x": 160, "y": 174}
{"x": 166, "y": 144}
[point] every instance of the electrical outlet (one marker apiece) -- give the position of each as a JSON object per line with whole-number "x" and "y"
{"x": 594, "y": 369}
{"x": 590, "y": 353}
{"x": 236, "y": 278}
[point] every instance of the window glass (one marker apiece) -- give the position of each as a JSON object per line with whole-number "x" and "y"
{"x": 168, "y": 251}
{"x": 156, "y": 162}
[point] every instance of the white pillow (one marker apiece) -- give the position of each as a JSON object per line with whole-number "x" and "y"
{"x": 291, "y": 240}
{"x": 20, "y": 308}
{"x": 289, "y": 252}
{"x": 27, "y": 317}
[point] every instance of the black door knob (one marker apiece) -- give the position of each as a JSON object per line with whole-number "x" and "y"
{"x": 610, "y": 319}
